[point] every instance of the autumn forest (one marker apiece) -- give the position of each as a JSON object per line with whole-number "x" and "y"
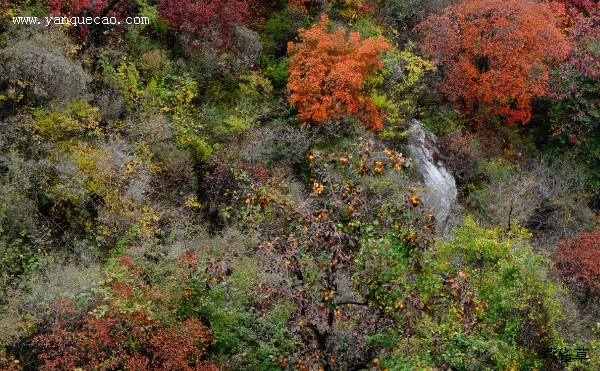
{"x": 310, "y": 185}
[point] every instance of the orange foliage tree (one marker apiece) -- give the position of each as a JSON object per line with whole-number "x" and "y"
{"x": 134, "y": 329}
{"x": 578, "y": 262}
{"x": 496, "y": 55}
{"x": 329, "y": 73}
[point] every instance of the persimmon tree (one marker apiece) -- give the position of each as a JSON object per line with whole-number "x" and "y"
{"x": 331, "y": 74}
{"x": 496, "y": 55}
{"x": 315, "y": 243}
{"x": 578, "y": 262}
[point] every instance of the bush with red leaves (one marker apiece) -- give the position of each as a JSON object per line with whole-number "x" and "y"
{"x": 201, "y": 21}
{"x": 134, "y": 330}
{"x": 578, "y": 262}
{"x": 575, "y": 83}
{"x": 581, "y": 5}
{"x": 86, "y": 8}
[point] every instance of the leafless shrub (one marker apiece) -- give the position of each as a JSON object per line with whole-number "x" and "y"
{"x": 150, "y": 130}
{"x": 246, "y": 46}
{"x": 286, "y": 145}
{"x": 564, "y": 209}
{"x": 38, "y": 69}
{"x": 110, "y": 103}
{"x": 156, "y": 133}
{"x": 17, "y": 210}
{"x": 405, "y": 14}
{"x": 546, "y": 197}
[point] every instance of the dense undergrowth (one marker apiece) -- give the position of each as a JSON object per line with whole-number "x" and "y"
{"x": 228, "y": 187}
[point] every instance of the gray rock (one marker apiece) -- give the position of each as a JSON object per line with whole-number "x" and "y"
{"x": 439, "y": 188}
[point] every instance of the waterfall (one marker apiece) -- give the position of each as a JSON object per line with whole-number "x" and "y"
{"x": 438, "y": 188}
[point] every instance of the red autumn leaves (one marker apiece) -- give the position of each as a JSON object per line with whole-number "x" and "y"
{"x": 578, "y": 261}
{"x": 135, "y": 327}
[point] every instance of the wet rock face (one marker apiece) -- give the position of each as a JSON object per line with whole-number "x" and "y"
{"x": 439, "y": 188}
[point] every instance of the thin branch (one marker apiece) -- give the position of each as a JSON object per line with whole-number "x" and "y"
{"x": 352, "y": 302}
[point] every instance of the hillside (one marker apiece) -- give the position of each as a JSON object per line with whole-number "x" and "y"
{"x": 299, "y": 185}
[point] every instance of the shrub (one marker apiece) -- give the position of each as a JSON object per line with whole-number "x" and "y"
{"x": 576, "y": 114}
{"x": 133, "y": 329}
{"x": 578, "y": 263}
{"x": 350, "y": 9}
{"x": 88, "y": 186}
{"x": 24, "y": 240}
{"x": 78, "y": 119}
{"x": 239, "y": 294}
{"x": 278, "y": 144}
{"x": 282, "y": 28}
{"x": 35, "y": 71}
{"x": 406, "y": 14}
{"x": 246, "y": 47}
{"x": 404, "y": 85}
{"x": 276, "y": 70}
{"x": 204, "y": 22}
{"x": 545, "y": 197}
{"x": 497, "y": 306}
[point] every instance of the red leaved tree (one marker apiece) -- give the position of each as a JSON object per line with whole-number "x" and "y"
{"x": 578, "y": 262}
{"x": 328, "y": 73}
{"x": 204, "y": 20}
{"x": 496, "y": 55}
{"x": 575, "y": 83}
{"x": 134, "y": 330}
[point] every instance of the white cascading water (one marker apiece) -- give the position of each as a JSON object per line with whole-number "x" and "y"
{"x": 439, "y": 188}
